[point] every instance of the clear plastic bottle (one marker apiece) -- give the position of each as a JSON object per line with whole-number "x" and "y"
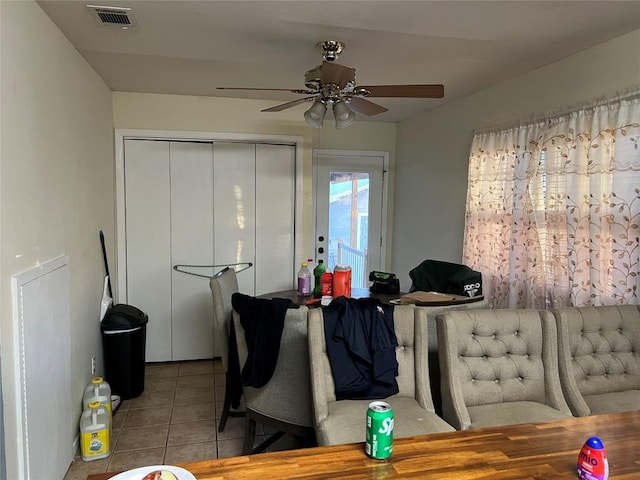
{"x": 304, "y": 280}
{"x": 317, "y": 273}
{"x": 95, "y": 432}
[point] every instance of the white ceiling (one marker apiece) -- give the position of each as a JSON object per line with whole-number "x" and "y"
{"x": 192, "y": 47}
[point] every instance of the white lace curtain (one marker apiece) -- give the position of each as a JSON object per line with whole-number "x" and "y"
{"x": 553, "y": 210}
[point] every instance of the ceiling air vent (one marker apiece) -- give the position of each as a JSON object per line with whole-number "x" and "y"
{"x": 113, "y": 16}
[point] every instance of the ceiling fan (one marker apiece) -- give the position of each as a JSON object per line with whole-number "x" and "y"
{"x": 334, "y": 85}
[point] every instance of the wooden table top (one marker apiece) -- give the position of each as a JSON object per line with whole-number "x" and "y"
{"x": 365, "y": 293}
{"x": 300, "y": 300}
{"x": 544, "y": 451}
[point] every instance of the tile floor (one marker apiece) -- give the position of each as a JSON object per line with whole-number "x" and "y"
{"x": 174, "y": 421}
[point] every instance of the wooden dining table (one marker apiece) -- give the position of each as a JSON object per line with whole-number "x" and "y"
{"x": 543, "y": 451}
{"x": 299, "y": 300}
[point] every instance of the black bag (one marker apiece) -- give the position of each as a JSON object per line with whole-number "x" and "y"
{"x": 445, "y": 277}
{"x": 385, "y": 283}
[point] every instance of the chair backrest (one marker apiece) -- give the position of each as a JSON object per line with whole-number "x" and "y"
{"x": 495, "y": 356}
{"x": 410, "y": 326}
{"x": 287, "y": 395}
{"x": 599, "y": 350}
{"x": 223, "y": 285}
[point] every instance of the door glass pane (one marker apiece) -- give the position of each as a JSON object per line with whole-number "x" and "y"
{"x": 349, "y": 224}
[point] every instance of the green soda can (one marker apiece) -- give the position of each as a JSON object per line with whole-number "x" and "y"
{"x": 379, "y": 438}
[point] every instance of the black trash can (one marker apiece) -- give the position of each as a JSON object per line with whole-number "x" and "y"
{"x": 124, "y": 336}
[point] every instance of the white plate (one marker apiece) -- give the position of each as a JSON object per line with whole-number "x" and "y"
{"x": 139, "y": 473}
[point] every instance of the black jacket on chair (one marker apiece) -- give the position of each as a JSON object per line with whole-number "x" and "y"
{"x": 263, "y": 322}
{"x": 361, "y": 346}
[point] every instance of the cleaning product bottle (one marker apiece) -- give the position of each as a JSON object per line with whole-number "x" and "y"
{"x": 317, "y": 273}
{"x": 95, "y": 432}
{"x": 327, "y": 284}
{"x": 98, "y": 391}
{"x": 341, "y": 281}
{"x": 592, "y": 460}
{"x": 304, "y": 281}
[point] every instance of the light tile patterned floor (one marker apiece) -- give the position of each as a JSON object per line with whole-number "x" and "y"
{"x": 174, "y": 421}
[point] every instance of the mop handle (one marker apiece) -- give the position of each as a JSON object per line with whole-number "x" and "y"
{"x": 106, "y": 264}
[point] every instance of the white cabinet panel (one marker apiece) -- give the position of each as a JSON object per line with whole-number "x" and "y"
{"x": 148, "y": 225}
{"x": 275, "y": 195}
{"x": 234, "y": 208}
{"x": 191, "y": 167}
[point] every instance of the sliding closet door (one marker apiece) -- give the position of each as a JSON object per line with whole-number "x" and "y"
{"x": 192, "y": 203}
{"x": 275, "y": 207}
{"x": 191, "y": 172}
{"x": 148, "y": 224}
{"x": 234, "y": 205}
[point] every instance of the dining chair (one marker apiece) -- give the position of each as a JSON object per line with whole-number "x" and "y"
{"x": 223, "y": 285}
{"x": 432, "y": 312}
{"x": 343, "y": 421}
{"x": 283, "y": 401}
{"x": 599, "y": 357}
{"x": 499, "y": 367}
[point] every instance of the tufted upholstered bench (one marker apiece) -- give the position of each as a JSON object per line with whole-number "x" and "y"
{"x": 499, "y": 367}
{"x": 599, "y": 358}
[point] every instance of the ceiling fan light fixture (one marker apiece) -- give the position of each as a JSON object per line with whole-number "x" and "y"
{"x": 331, "y": 85}
{"x": 315, "y": 115}
{"x": 344, "y": 117}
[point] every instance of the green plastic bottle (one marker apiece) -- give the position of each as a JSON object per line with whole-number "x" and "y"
{"x": 317, "y": 273}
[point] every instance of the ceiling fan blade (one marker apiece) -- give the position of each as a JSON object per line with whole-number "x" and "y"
{"x": 334, "y": 73}
{"x": 284, "y": 106}
{"x": 292, "y": 90}
{"x": 410, "y": 91}
{"x": 365, "y": 107}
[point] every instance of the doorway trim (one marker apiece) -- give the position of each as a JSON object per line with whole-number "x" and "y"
{"x": 385, "y": 190}
{"x": 120, "y": 135}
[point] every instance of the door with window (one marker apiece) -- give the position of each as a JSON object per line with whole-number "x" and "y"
{"x": 350, "y": 190}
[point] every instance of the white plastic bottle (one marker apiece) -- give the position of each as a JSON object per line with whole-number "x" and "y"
{"x": 98, "y": 391}
{"x": 304, "y": 280}
{"x": 95, "y": 432}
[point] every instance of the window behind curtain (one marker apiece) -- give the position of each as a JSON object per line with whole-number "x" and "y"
{"x": 553, "y": 209}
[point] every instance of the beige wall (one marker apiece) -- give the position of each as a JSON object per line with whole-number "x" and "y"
{"x": 227, "y": 115}
{"x": 433, "y": 148}
{"x": 56, "y": 184}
